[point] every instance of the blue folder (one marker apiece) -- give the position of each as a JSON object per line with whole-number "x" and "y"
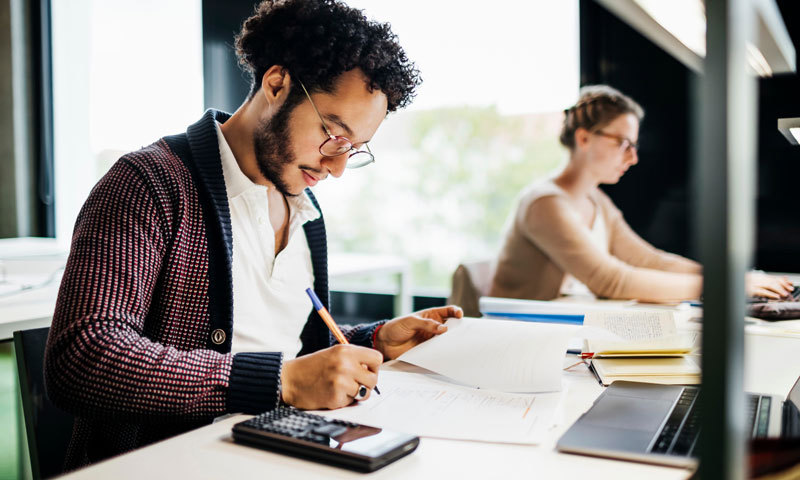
{"x": 539, "y": 317}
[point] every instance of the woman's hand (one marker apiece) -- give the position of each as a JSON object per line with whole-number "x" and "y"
{"x": 759, "y": 284}
{"x": 398, "y": 335}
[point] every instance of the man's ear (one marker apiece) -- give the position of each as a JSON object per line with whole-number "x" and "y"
{"x": 581, "y": 137}
{"x": 275, "y": 85}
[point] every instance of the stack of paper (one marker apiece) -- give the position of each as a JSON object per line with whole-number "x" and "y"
{"x": 501, "y": 355}
{"x": 429, "y": 406}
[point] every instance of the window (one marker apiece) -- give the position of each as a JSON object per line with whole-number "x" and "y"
{"x": 485, "y": 123}
{"x": 448, "y": 169}
{"x": 124, "y": 74}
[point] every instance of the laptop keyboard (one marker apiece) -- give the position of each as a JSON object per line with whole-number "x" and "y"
{"x": 679, "y": 434}
{"x": 794, "y": 296}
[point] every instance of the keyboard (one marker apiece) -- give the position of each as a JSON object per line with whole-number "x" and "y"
{"x": 334, "y": 442}
{"x": 680, "y": 432}
{"x": 794, "y": 296}
{"x": 682, "y": 428}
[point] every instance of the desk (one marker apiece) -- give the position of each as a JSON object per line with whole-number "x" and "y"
{"x": 208, "y": 452}
{"x": 342, "y": 266}
{"x": 26, "y": 310}
{"x": 34, "y": 308}
{"x": 36, "y": 262}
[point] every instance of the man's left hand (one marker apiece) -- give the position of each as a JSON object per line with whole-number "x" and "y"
{"x": 398, "y": 335}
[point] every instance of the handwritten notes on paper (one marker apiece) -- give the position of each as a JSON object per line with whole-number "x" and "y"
{"x": 423, "y": 405}
{"x": 502, "y": 355}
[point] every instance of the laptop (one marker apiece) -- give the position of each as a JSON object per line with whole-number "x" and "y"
{"x": 660, "y": 423}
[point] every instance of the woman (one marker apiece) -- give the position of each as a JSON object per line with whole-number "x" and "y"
{"x": 568, "y": 237}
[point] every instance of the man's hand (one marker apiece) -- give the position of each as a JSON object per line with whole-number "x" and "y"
{"x": 759, "y": 284}
{"x": 398, "y": 335}
{"x": 329, "y": 378}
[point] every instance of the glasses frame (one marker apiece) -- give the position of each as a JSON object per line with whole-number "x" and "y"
{"x": 365, "y": 157}
{"x": 625, "y": 143}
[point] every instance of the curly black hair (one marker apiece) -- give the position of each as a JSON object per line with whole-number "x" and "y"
{"x": 318, "y": 40}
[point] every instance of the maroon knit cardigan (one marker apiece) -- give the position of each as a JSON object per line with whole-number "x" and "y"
{"x": 139, "y": 347}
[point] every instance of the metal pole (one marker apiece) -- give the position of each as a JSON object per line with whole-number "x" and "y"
{"x": 726, "y": 170}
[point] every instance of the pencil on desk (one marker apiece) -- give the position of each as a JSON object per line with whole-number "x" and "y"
{"x": 328, "y": 319}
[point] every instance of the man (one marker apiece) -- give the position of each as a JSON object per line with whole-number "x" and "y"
{"x": 183, "y": 298}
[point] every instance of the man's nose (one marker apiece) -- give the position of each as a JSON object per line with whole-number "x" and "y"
{"x": 336, "y": 165}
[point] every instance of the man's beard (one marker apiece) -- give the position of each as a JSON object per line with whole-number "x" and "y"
{"x": 271, "y": 142}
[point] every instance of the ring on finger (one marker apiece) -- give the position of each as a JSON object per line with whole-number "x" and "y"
{"x": 362, "y": 393}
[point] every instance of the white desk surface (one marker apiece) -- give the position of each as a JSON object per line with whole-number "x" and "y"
{"x": 34, "y": 308}
{"x": 209, "y": 453}
{"x": 771, "y": 366}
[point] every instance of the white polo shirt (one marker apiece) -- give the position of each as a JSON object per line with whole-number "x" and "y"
{"x": 270, "y": 305}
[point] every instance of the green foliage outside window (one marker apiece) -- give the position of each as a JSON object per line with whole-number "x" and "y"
{"x": 442, "y": 187}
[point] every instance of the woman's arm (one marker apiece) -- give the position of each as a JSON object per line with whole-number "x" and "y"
{"x": 629, "y": 247}
{"x": 553, "y": 225}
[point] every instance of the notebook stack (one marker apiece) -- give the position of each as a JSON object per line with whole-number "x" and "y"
{"x": 640, "y": 346}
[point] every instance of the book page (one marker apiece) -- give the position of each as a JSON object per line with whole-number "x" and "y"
{"x": 632, "y": 332}
{"x": 502, "y": 355}
{"x": 634, "y": 325}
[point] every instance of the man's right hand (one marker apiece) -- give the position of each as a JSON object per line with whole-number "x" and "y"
{"x": 329, "y": 378}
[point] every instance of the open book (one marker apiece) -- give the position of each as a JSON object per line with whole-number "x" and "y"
{"x": 631, "y": 333}
{"x": 640, "y": 346}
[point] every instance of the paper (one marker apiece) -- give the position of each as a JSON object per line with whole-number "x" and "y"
{"x": 635, "y": 332}
{"x": 421, "y": 405}
{"x": 501, "y": 355}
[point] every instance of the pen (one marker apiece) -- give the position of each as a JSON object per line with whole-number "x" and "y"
{"x": 594, "y": 372}
{"x": 332, "y": 326}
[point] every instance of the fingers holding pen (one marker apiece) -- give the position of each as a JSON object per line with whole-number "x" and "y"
{"x": 329, "y": 378}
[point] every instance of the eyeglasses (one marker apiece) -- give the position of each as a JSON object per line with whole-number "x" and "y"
{"x": 336, "y": 145}
{"x": 624, "y": 143}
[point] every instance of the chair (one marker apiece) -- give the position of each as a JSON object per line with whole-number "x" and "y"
{"x": 48, "y": 428}
{"x": 471, "y": 281}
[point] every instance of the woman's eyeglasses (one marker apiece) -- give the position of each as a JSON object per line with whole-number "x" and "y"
{"x": 624, "y": 143}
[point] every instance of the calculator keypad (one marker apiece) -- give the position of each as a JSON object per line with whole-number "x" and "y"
{"x": 297, "y": 424}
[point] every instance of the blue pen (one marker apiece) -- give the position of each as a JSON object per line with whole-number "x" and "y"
{"x": 334, "y": 328}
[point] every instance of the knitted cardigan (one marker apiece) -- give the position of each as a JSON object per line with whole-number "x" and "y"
{"x": 139, "y": 347}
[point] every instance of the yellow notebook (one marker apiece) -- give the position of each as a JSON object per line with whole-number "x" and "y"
{"x": 671, "y": 370}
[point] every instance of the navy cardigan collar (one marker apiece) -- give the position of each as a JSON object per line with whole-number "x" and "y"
{"x": 206, "y": 166}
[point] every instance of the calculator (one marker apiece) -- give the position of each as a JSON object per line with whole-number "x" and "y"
{"x": 333, "y": 442}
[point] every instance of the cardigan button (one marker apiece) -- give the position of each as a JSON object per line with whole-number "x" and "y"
{"x": 218, "y": 336}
